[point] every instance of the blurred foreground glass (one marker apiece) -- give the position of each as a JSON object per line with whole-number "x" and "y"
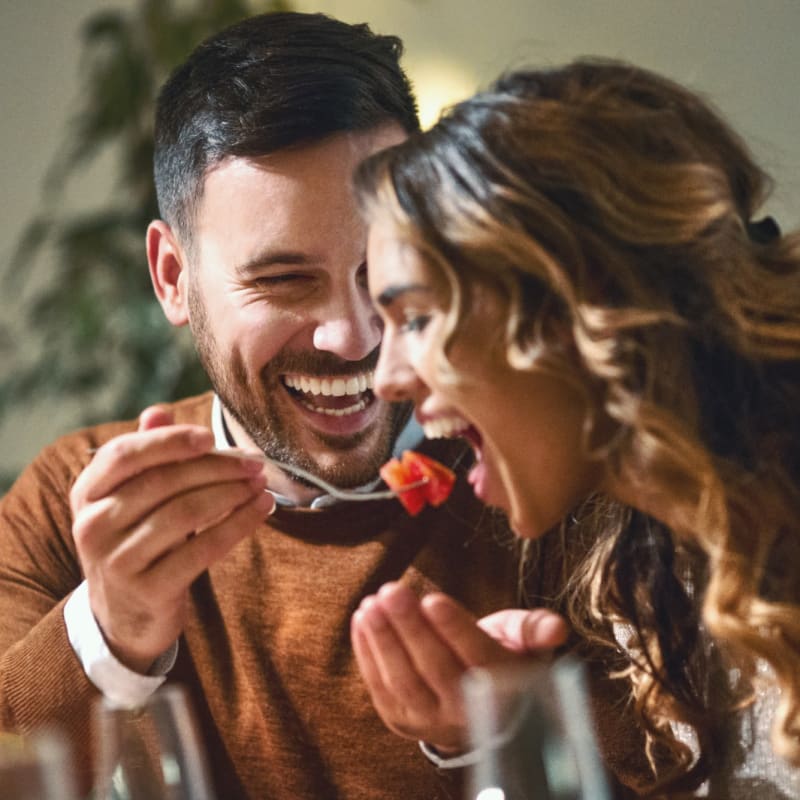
{"x": 151, "y": 752}
{"x": 533, "y": 735}
{"x": 35, "y": 768}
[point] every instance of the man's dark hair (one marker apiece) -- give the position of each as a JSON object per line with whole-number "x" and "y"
{"x": 269, "y": 82}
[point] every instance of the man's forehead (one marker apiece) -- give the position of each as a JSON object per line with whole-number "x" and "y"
{"x": 346, "y": 149}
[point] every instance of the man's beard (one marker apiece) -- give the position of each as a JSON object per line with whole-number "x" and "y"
{"x": 278, "y": 437}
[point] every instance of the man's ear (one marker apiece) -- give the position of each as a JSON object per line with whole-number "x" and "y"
{"x": 168, "y": 271}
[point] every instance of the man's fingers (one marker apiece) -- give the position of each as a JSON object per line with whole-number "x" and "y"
{"x": 145, "y": 494}
{"x": 131, "y": 453}
{"x": 155, "y": 417}
{"x": 193, "y": 557}
{"x": 167, "y": 528}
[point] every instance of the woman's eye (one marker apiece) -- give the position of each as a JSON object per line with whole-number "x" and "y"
{"x": 416, "y": 323}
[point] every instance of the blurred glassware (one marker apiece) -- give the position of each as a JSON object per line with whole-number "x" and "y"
{"x": 152, "y": 751}
{"x": 532, "y": 733}
{"x": 36, "y": 768}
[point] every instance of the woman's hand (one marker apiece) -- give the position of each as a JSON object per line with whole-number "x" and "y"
{"x": 412, "y": 654}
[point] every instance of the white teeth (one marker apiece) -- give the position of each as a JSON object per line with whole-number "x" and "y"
{"x": 336, "y": 387}
{"x": 336, "y": 412}
{"x": 444, "y": 427}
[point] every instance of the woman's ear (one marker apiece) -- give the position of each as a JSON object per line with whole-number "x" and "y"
{"x": 168, "y": 271}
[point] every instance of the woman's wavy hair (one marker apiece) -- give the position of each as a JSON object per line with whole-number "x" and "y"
{"x": 610, "y": 202}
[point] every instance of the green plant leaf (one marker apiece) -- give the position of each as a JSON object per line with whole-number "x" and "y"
{"x": 93, "y": 331}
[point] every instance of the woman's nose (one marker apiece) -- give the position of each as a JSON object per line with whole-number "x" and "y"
{"x": 395, "y": 378}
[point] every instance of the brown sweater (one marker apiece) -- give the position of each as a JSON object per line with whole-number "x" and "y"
{"x": 266, "y": 654}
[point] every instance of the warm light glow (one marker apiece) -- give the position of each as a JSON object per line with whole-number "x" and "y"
{"x": 491, "y": 793}
{"x": 437, "y": 85}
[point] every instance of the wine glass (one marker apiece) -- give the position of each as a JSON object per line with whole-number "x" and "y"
{"x": 36, "y": 767}
{"x": 532, "y": 734}
{"x": 150, "y": 752}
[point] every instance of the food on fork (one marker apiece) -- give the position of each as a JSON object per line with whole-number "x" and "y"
{"x": 413, "y": 467}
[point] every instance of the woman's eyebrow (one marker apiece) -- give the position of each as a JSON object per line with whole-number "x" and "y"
{"x": 391, "y": 293}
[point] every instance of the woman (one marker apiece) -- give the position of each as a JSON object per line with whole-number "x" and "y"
{"x": 571, "y": 277}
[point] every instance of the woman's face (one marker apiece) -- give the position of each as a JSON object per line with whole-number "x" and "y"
{"x": 525, "y": 427}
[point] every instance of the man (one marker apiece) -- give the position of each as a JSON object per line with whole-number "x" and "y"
{"x": 156, "y": 558}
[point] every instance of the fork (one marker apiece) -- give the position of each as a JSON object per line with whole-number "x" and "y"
{"x": 333, "y": 491}
{"x": 299, "y": 472}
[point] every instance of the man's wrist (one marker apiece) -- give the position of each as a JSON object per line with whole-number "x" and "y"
{"x": 121, "y": 685}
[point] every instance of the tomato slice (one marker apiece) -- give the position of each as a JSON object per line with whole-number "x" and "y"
{"x": 396, "y": 475}
{"x": 440, "y": 478}
{"x": 413, "y": 467}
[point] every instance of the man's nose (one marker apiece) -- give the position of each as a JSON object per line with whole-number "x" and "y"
{"x": 350, "y": 328}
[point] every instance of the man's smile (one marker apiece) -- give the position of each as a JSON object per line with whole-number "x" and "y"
{"x": 337, "y": 396}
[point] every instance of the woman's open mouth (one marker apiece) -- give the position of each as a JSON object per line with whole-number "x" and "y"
{"x": 454, "y": 426}
{"x": 450, "y": 427}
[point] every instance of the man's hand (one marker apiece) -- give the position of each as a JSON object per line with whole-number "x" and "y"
{"x": 412, "y": 654}
{"x": 152, "y": 511}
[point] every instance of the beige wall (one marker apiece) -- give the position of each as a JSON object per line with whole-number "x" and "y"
{"x": 744, "y": 54}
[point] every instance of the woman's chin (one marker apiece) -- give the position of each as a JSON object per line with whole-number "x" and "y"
{"x": 523, "y": 529}
{"x": 492, "y": 493}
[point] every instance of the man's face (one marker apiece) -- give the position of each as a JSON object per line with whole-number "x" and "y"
{"x": 279, "y": 307}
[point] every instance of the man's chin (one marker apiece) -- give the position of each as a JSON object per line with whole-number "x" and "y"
{"x": 346, "y": 449}
{"x": 344, "y": 461}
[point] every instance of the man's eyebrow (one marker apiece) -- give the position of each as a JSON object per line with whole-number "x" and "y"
{"x": 271, "y": 258}
{"x": 391, "y": 293}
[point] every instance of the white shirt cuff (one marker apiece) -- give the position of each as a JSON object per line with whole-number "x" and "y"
{"x": 120, "y": 685}
{"x": 467, "y": 759}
